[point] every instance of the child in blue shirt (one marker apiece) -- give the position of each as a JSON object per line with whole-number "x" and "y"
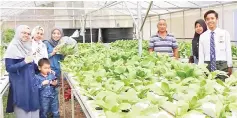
{"x": 47, "y": 83}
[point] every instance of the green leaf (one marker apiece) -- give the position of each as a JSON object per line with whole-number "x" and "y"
{"x": 141, "y": 73}
{"x": 102, "y": 94}
{"x": 187, "y": 81}
{"x": 124, "y": 106}
{"x": 118, "y": 86}
{"x": 220, "y": 82}
{"x": 120, "y": 70}
{"x": 233, "y": 106}
{"x": 99, "y": 79}
{"x": 182, "y": 108}
{"x": 101, "y": 104}
{"x": 201, "y": 93}
{"x": 190, "y": 72}
{"x": 193, "y": 104}
{"x": 114, "y": 108}
{"x": 170, "y": 74}
{"x": 181, "y": 74}
{"x": 203, "y": 83}
{"x": 143, "y": 93}
{"x": 197, "y": 72}
{"x": 165, "y": 87}
{"x": 130, "y": 96}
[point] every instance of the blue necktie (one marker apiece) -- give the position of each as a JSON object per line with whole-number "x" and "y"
{"x": 212, "y": 53}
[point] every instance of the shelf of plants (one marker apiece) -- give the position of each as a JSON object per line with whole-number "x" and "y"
{"x": 114, "y": 82}
{"x": 4, "y": 81}
{"x": 3, "y": 76}
{"x": 4, "y": 84}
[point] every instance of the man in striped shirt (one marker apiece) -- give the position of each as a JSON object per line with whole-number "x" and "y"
{"x": 162, "y": 42}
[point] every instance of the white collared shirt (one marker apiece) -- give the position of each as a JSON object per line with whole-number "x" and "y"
{"x": 222, "y": 46}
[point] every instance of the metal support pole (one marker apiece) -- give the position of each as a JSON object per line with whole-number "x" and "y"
{"x": 1, "y": 42}
{"x": 99, "y": 37}
{"x": 1, "y": 108}
{"x": 147, "y": 12}
{"x": 150, "y": 25}
{"x": 62, "y": 80}
{"x": 72, "y": 104}
{"x": 201, "y": 13}
{"x": 49, "y": 34}
{"x": 15, "y": 21}
{"x": 73, "y": 13}
{"x": 170, "y": 23}
{"x": 183, "y": 25}
{"x": 35, "y": 14}
{"x": 83, "y": 28}
{"x": 222, "y": 12}
{"x": 139, "y": 24}
{"x": 130, "y": 13}
{"x": 90, "y": 29}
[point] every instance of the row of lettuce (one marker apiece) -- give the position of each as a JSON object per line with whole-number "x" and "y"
{"x": 184, "y": 48}
{"x": 123, "y": 85}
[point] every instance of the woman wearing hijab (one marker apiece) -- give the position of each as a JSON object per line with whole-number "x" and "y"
{"x": 23, "y": 96}
{"x": 200, "y": 27}
{"x": 52, "y": 50}
{"x": 38, "y": 47}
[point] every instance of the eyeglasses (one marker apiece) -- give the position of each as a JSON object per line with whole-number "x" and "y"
{"x": 25, "y": 33}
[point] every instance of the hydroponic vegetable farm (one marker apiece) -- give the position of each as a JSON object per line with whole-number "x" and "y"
{"x": 116, "y": 82}
{"x": 118, "y": 59}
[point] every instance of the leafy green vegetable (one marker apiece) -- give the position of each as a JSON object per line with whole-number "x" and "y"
{"x": 67, "y": 50}
{"x": 125, "y": 85}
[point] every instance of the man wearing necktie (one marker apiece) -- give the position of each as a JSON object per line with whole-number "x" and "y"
{"x": 215, "y": 45}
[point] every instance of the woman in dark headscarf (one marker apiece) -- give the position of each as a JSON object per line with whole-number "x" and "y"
{"x": 200, "y": 27}
{"x": 52, "y": 49}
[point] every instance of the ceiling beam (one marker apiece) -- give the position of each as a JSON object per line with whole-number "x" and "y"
{"x": 194, "y": 3}
{"x": 172, "y": 4}
{"x": 158, "y": 7}
{"x": 141, "y": 7}
{"x": 47, "y": 8}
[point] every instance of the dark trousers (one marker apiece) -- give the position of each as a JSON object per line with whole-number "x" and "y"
{"x": 220, "y": 65}
{"x": 49, "y": 104}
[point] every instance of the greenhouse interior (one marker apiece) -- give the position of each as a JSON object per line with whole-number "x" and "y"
{"x": 118, "y": 59}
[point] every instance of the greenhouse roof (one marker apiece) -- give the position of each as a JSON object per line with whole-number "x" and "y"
{"x": 14, "y": 8}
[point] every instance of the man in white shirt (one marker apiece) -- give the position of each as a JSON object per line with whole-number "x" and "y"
{"x": 215, "y": 45}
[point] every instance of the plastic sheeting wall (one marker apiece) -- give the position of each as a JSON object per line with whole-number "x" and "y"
{"x": 183, "y": 27}
{"x": 235, "y": 26}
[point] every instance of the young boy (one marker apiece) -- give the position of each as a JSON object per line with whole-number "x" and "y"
{"x": 47, "y": 83}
